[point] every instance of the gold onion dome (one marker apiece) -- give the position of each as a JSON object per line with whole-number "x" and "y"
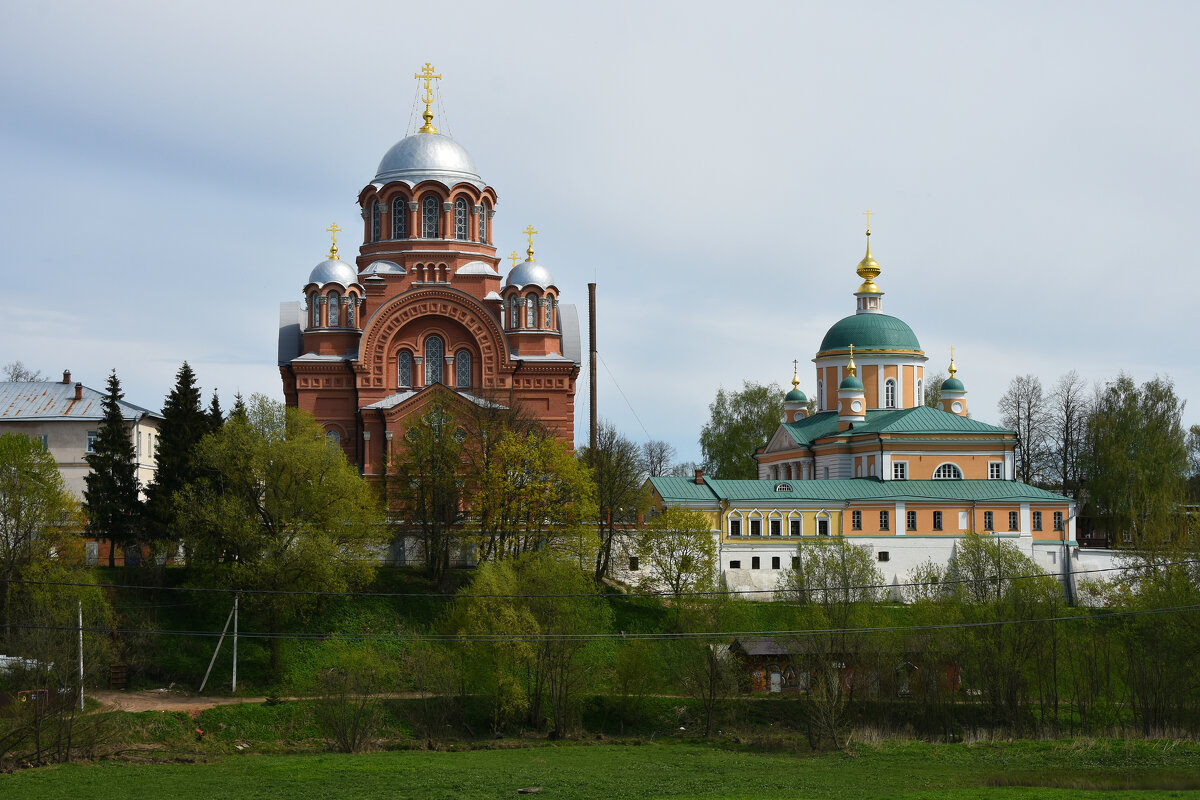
{"x": 868, "y": 270}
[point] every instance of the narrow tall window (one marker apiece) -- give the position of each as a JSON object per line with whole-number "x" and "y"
{"x": 889, "y": 393}
{"x": 988, "y": 521}
{"x": 483, "y": 220}
{"x": 919, "y": 396}
{"x": 776, "y": 527}
{"x": 462, "y": 369}
{"x": 885, "y": 520}
{"x": 375, "y": 215}
{"x": 794, "y": 527}
{"x": 351, "y": 305}
{"x": 856, "y": 520}
{"x": 756, "y": 527}
{"x": 1037, "y": 520}
{"x": 820, "y": 395}
{"x": 334, "y": 302}
{"x": 735, "y": 527}
{"x": 911, "y": 519}
{"x": 937, "y": 520}
{"x": 1058, "y": 520}
{"x": 547, "y": 304}
{"x": 531, "y": 312}
{"x": 462, "y": 224}
{"x": 399, "y": 218}
{"x": 1013, "y": 523}
{"x": 431, "y": 213}
{"x": 514, "y": 304}
{"x": 434, "y": 357}
{"x": 404, "y": 369}
{"x": 315, "y": 308}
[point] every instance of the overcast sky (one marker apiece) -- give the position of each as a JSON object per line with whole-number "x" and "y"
{"x": 168, "y": 169}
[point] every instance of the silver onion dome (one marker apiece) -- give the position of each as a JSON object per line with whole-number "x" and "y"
{"x": 428, "y": 156}
{"x": 333, "y": 270}
{"x": 529, "y": 273}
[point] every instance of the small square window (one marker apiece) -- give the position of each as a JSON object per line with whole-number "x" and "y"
{"x": 776, "y": 527}
{"x": 795, "y": 562}
{"x": 1037, "y": 520}
{"x": 774, "y": 562}
{"x": 995, "y": 470}
{"x": 756, "y": 527}
{"x": 911, "y": 519}
{"x": 92, "y": 436}
{"x": 937, "y": 520}
{"x": 735, "y": 565}
{"x": 856, "y": 520}
{"x": 633, "y": 563}
{"x": 1014, "y": 522}
{"x": 899, "y": 470}
{"x": 885, "y": 520}
{"x": 884, "y": 555}
{"x": 735, "y": 527}
{"x": 794, "y": 527}
{"x": 754, "y": 562}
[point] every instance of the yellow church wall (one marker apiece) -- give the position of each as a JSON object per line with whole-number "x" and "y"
{"x": 809, "y": 519}
{"x": 870, "y": 379}
{"x": 906, "y": 401}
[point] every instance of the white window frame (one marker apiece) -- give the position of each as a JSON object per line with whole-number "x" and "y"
{"x": 92, "y": 437}
{"x": 995, "y": 470}
{"x": 889, "y": 393}
{"x": 955, "y": 477}
{"x": 899, "y": 470}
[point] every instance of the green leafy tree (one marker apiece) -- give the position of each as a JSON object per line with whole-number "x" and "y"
{"x": 427, "y": 485}
{"x": 700, "y": 658}
{"x": 533, "y": 495}
{"x": 184, "y": 424}
{"x": 110, "y": 495}
{"x": 678, "y": 551}
{"x": 739, "y": 423}
{"x": 621, "y": 493}
{"x": 277, "y": 508}
{"x": 37, "y": 515}
{"x": 1137, "y": 462}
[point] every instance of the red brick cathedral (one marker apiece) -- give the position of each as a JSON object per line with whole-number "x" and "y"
{"x": 424, "y": 310}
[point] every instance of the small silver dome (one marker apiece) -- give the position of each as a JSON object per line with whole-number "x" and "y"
{"x": 529, "y": 273}
{"x": 333, "y": 270}
{"x": 428, "y": 156}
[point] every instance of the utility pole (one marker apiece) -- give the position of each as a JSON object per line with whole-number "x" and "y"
{"x": 80, "y": 606}
{"x": 592, "y": 364}
{"x": 235, "y": 624}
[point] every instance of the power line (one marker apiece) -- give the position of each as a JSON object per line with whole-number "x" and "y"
{"x": 620, "y": 635}
{"x": 639, "y": 595}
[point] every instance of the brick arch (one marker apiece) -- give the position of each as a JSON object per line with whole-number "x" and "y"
{"x": 387, "y": 321}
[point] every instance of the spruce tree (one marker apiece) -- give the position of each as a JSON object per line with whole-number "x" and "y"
{"x": 184, "y": 424}
{"x": 110, "y": 495}
{"x": 216, "y": 416}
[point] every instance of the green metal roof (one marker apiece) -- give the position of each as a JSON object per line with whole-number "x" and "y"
{"x": 953, "y": 385}
{"x": 870, "y": 332}
{"x": 922, "y": 419}
{"x": 764, "y": 491}
{"x": 851, "y": 382}
{"x": 795, "y": 396}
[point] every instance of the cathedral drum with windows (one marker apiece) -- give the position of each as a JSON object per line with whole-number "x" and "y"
{"x": 424, "y": 312}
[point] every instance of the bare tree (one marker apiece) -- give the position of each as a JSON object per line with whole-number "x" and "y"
{"x": 617, "y": 468}
{"x": 1023, "y": 409}
{"x": 19, "y": 373}
{"x": 657, "y": 456}
{"x": 933, "y": 389}
{"x": 1069, "y": 409}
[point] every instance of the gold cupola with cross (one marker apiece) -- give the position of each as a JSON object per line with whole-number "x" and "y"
{"x": 870, "y": 296}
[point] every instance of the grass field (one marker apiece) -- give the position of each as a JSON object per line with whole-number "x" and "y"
{"x": 1072, "y": 769}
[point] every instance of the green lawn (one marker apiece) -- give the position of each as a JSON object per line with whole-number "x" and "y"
{"x": 658, "y": 770}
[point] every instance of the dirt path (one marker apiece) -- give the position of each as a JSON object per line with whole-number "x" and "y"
{"x": 163, "y": 700}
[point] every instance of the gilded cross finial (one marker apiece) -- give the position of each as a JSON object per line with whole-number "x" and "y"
{"x": 851, "y": 368}
{"x": 529, "y": 231}
{"x": 953, "y": 369}
{"x": 795, "y": 373}
{"x": 515, "y": 258}
{"x": 427, "y": 74}
{"x": 333, "y": 232}
{"x": 868, "y": 215}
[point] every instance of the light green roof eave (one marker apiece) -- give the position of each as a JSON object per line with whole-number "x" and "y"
{"x": 868, "y": 489}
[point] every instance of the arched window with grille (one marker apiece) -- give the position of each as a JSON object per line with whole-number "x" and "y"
{"x": 483, "y": 221}
{"x": 919, "y": 395}
{"x": 462, "y": 369}
{"x": 947, "y": 472}
{"x": 314, "y": 308}
{"x": 531, "y": 311}
{"x": 404, "y": 367}
{"x": 431, "y": 216}
{"x": 399, "y": 218}
{"x": 547, "y": 309}
{"x": 514, "y": 311}
{"x": 376, "y": 213}
{"x": 334, "y": 302}
{"x": 435, "y": 352}
{"x": 889, "y": 393}
{"x": 351, "y": 306}
{"x": 462, "y": 225}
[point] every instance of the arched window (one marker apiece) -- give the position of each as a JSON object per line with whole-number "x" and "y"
{"x": 399, "y": 218}
{"x": 315, "y": 307}
{"x": 431, "y": 214}
{"x": 947, "y": 472}
{"x": 376, "y": 214}
{"x": 334, "y": 302}
{"x": 820, "y": 395}
{"x": 434, "y": 353}
{"x": 919, "y": 397}
{"x": 547, "y": 305}
{"x": 404, "y": 369}
{"x": 461, "y": 219}
{"x": 483, "y": 217}
{"x": 333, "y": 438}
{"x": 889, "y": 393}
{"x": 462, "y": 369}
{"x": 351, "y": 305}
{"x": 531, "y": 311}
{"x": 514, "y": 315}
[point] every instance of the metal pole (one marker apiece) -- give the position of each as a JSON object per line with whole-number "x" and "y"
{"x": 219, "y": 641}
{"x": 592, "y": 363}
{"x": 235, "y": 624}
{"x": 80, "y": 602}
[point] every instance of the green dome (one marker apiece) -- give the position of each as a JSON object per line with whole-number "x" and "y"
{"x": 795, "y": 396}
{"x": 851, "y": 382}
{"x": 870, "y": 332}
{"x": 953, "y": 385}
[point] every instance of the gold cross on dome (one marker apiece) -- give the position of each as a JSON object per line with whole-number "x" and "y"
{"x": 427, "y": 74}
{"x": 333, "y": 232}
{"x": 868, "y": 215}
{"x": 529, "y": 231}
{"x": 515, "y": 258}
